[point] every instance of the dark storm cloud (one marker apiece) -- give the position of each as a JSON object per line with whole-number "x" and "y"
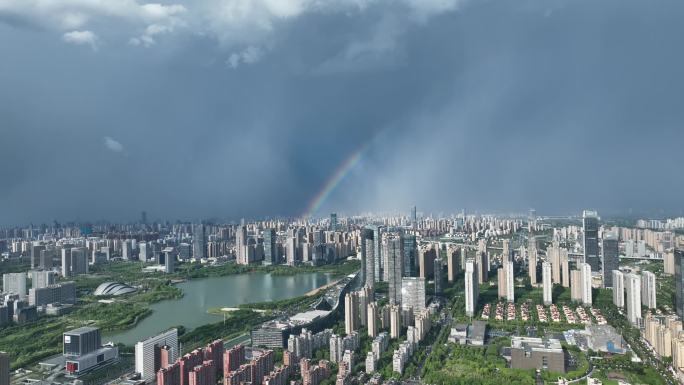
{"x": 489, "y": 106}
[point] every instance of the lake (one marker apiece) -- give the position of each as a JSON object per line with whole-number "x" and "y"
{"x": 199, "y": 295}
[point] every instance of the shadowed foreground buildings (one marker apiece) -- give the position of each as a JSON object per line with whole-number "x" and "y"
{"x": 4, "y": 369}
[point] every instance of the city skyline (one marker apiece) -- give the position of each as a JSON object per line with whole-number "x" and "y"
{"x": 574, "y": 216}
{"x": 451, "y": 279}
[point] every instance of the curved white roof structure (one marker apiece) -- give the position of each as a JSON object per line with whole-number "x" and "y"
{"x": 113, "y": 288}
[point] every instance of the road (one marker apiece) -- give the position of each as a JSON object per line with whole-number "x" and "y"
{"x": 446, "y": 322}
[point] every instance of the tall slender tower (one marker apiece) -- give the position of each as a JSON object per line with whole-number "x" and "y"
{"x": 453, "y": 264}
{"x": 507, "y": 254}
{"x": 241, "y": 244}
{"x": 633, "y": 298}
{"x": 547, "y": 284}
{"x": 565, "y": 267}
{"x": 471, "y": 287}
{"x": 679, "y": 282}
{"x": 648, "y": 289}
{"x": 618, "y": 280}
{"x": 270, "y": 249}
{"x": 377, "y": 252}
{"x": 576, "y": 285}
{"x": 482, "y": 260}
{"x": 410, "y": 256}
{"x": 501, "y": 282}
{"x": 553, "y": 256}
{"x": 372, "y": 321}
{"x": 532, "y": 259}
{"x": 585, "y": 271}
{"x": 610, "y": 258}
{"x": 351, "y": 312}
{"x": 368, "y": 248}
{"x": 510, "y": 282}
{"x": 199, "y": 242}
{"x": 333, "y": 222}
{"x": 395, "y": 321}
{"x": 590, "y": 224}
{"x": 393, "y": 253}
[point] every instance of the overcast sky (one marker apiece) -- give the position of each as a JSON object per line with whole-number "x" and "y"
{"x": 245, "y": 108}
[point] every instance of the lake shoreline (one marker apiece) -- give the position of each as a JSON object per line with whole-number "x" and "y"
{"x": 191, "y": 310}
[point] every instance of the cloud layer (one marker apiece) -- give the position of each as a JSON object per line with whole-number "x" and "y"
{"x": 230, "y": 21}
{"x": 236, "y": 108}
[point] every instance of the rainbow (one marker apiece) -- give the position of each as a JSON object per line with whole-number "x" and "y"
{"x": 344, "y": 168}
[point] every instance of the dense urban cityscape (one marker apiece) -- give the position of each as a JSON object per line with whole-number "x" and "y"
{"x": 341, "y": 192}
{"x": 407, "y": 299}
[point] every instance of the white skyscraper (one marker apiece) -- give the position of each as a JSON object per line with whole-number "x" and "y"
{"x": 633, "y": 298}
{"x": 145, "y": 352}
{"x": 532, "y": 259}
{"x": 291, "y": 251}
{"x": 585, "y": 272}
{"x": 14, "y": 283}
{"x": 144, "y": 251}
{"x": 618, "y": 288}
{"x": 510, "y": 282}
{"x": 471, "y": 287}
{"x": 648, "y": 289}
{"x": 547, "y": 283}
{"x": 241, "y": 245}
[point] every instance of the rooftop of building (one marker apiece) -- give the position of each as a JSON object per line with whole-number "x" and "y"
{"x": 160, "y": 334}
{"x": 309, "y": 316}
{"x": 536, "y": 344}
{"x": 113, "y": 288}
{"x": 279, "y": 325}
{"x": 477, "y": 330}
{"x": 82, "y": 330}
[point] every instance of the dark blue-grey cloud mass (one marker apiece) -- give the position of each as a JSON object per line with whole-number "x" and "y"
{"x": 229, "y": 109}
